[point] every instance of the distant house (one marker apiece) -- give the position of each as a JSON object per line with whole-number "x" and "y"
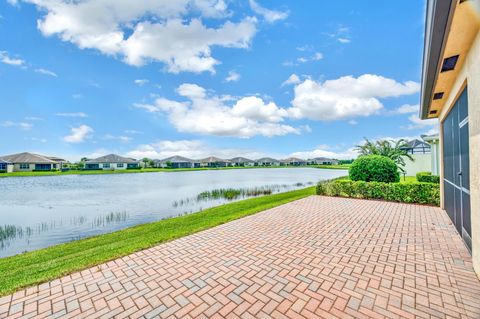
{"x": 417, "y": 147}
{"x": 111, "y": 162}
{"x": 267, "y": 161}
{"x": 293, "y": 161}
{"x": 422, "y": 162}
{"x": 322, "y": 161}
{"x": 242, "y": 161}
{"x": 213, "y": 161}
{"x": 60, "y": 161}
{"x": 177, "y": 162}
{"x": 434, "y": 142}
{"x": 6, "y": 166}
{"x": 27, "y": 162}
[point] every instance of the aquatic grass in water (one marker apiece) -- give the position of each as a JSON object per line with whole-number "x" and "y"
{"x": 230, "y": 194}
{"x": 110, "y": 218}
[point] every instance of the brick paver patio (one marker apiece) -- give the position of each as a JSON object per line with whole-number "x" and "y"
{"x": 318, "y": 257}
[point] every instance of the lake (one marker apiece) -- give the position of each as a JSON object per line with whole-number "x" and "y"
{"x": 37, "y": 212}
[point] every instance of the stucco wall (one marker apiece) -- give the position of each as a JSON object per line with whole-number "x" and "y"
{"x": 470, "y": 75}
{"x": 16, "y": 168}
{"x": 435, "y": 158}
{"x": 421, "y": 163}
{"x": 113, "y": 166}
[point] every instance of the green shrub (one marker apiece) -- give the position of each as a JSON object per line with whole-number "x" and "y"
{"x": 374, "y": 168}
{"x": 415, "y": 192}
{"x": 427, "y": 177}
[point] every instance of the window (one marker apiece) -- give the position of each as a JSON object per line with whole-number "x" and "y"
{"x": 106, "y": 165}
{"x": 119, "y": 165}
{"x": 3, "y": 166}
{"x": 43, "y": 167}
{"x": 24, "y": 166}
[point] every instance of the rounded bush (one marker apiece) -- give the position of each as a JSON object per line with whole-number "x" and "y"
{"x": 374, "y": 168}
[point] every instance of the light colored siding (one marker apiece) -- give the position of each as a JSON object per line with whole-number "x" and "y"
{"x": 470, "y": 76}
{"x": 421, "y": 163}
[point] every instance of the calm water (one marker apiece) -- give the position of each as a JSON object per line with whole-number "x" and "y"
{"x": 37, "y": 212}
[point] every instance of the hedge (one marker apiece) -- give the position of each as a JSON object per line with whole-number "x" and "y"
{"x": 414, "y": 192}
{"x": 374, "y": 168}
{"x": 427, "y": 177}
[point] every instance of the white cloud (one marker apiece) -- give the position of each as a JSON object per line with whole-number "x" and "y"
{"x": 147, "y": 31}
{"x": 210, "y": 114}
{"x": 306, "y": 47}
{"x": 232, "y": 76}
{"x": 141, "y": 82}
{"x": 341, "y": 34}
{"x": 5, "y": 58}
{"x": 406, "y": 108}
{"x": 73, "y": 114}
{"x": 346, "y": 97}
{"x": 316, "y": 57}
{"x": 352, "y": 122}
{"x": 322, "y": 151}
{"x": 46, "y": 72}
{"x": 21, "y": 125}
{"x": 269, "y": 15}
{"x": 292, "y": 79}
{"x": 77, "y": 96}
{"x": 132, "y": 132}
{"x": 33, "y": 118}
{"x": 37, "y": 139}
{"x": 416, "y": 123}
{"x": 189, "y": 148}
{"x": 120, "y": 138}
{"x": 78, "y": 134}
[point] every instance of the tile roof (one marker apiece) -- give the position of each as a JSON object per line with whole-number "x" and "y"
{"x": 29, "y": 158}
{"x": 112, "y": 158}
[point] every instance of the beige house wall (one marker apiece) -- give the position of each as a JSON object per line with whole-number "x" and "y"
{"x": 16, "y": 168}
{"x": 421, "y": 163}
{"x": 470, "y": 75}
{"x": 113, "y": 166}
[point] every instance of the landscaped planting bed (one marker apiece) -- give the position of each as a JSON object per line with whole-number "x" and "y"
{"x": 412, "y": 192}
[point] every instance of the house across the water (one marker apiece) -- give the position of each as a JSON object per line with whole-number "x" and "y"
{"x": 267, "y": 161}
{"x": 322, "y": 161}
{"x": 27, "y": 162}
{"x": 293, "y": 161}
{"x": 111, "y": 162}
{"x": 177, "y": 162}
{"x": 241, "y": 161}
{"x": 213, "y": 161}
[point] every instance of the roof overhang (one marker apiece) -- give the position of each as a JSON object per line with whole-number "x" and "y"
{"x": 450, "y": 29}
{"x": 437, "y": 23}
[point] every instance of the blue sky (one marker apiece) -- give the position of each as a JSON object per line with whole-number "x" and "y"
{"x": 208, "y": 77}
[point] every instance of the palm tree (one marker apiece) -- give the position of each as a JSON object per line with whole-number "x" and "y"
{"x": 395, "y": 150}
{"x": 145, "y": 162}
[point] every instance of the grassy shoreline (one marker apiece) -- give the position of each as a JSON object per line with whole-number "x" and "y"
{"x": 46, "y": 264}
{"x": 155, "y": 170}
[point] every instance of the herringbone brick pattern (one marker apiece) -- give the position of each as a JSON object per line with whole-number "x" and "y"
{"x": 318, "y": 257}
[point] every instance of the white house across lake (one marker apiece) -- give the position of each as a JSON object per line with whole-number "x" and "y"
{"x": 111, "y": 162}
{"x": 28, "y": 162}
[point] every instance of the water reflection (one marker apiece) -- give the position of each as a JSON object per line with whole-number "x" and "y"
{"x": 58, "y": 209}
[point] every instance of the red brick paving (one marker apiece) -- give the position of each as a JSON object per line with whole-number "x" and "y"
{"x": 318, "y": 257}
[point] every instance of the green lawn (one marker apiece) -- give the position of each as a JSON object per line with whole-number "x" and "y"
{"x": 407, "y": 179}
{"x": 151, "y": 170}
{"x": 46, "y": 264}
